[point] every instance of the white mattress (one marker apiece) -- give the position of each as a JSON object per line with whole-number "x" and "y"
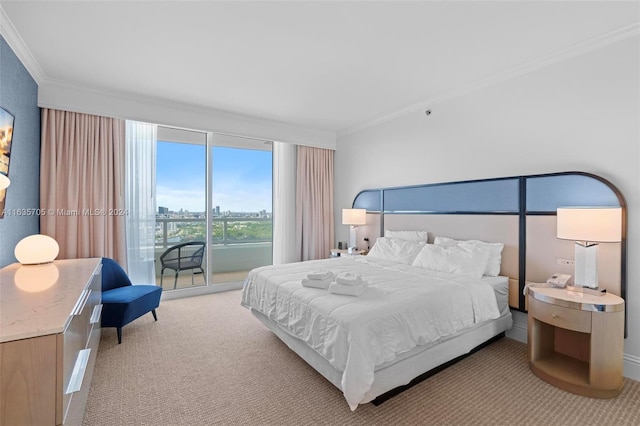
{"x": 404, "y": 310}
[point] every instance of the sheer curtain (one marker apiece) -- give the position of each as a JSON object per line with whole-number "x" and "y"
{"x": 314, "y": 202}
{"x": 140, "y": 185}
{"x": 284, "y": 203}
{"x": 82, "y": 184}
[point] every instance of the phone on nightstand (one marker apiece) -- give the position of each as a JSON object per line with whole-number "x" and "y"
{"x": 558, "y": 279}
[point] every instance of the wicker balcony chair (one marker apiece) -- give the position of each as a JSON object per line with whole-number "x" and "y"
{"x": 183, "y": 257}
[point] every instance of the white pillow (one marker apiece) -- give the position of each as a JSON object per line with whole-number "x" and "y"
{"x": 495, "y": 252}
{"x": 467, "y": 261}
{"x": 396, "y": 250}
{"x": 407, "y": 235}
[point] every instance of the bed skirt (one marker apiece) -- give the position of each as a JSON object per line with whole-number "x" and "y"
{"x": 407, "y": 366}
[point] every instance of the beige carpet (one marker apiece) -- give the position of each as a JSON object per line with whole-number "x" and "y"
{"x": 208, "y": 361}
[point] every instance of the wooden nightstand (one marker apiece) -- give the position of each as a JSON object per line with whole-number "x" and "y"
{"x": 340, "y": 252}
{"x": 576, "y": 340}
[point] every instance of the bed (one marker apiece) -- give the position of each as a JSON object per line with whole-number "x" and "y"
{"x": 373, "y": 345}
{"x": 408, "y": 319}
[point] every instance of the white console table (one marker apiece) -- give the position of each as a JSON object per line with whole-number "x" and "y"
{"x": 49, "y": 336}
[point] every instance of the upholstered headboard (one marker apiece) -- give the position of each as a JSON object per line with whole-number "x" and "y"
{"x": 519, "y": 211}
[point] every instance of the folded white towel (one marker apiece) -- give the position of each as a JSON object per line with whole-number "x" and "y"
{"x": 348, "y": 290}
{"x": 323, "y": 284}
{"x": 320, "y": 275}
{"x": 349, "y": 278}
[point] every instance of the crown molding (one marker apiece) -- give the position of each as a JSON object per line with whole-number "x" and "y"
{"x": 528, "y": 67}
{"x": 19, "y": 47}
{"x": 58, "y": 94}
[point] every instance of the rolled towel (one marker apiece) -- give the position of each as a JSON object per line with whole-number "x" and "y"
{"x": 320, "y": 275}
{"x": 348, "y": 289}
{"x": 323, "y": 284}
{"x": 349, "y": 278}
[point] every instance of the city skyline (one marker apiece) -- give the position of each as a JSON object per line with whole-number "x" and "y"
{"x": 242, "y": 178}
{"x": 216, "y": 210}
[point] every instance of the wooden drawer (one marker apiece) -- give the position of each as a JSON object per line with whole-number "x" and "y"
{"x": 94, "y": 303}
{"x": 560, "y": 316}
{"x": 77, "y": 400}
{"x": 28, "y": 381}
{"x": 80, "y": 345}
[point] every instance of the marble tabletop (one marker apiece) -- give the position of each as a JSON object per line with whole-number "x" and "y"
{"x": 575, "y": 299}
{"x": 37, "y": 300}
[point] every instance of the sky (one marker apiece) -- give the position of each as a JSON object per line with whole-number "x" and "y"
{"x": 241, "y": 178}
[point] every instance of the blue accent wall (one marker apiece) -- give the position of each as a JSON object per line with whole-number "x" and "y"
{"x": 19, "y": 95}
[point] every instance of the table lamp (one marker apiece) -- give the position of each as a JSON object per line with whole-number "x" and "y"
{"x": 588, "y": 226}
{"x": 4, "y": 181}
{"x": 354, "y": 218}
{"x": 36, "y": 249}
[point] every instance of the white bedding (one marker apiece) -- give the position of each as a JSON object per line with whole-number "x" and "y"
{"x": 403, "y": 307}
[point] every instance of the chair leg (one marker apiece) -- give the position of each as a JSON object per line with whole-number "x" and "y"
{"x": 175, "y": 282}
{"x": 161, "y": 275}
{"x": 153, "y": 311}
{"x": 119, "y": 334}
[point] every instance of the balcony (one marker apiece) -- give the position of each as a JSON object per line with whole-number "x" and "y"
{"x": 238, "y": 245}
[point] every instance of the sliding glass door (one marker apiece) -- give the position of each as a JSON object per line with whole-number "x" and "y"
{"x": 214, "y": 208}
{"x": 181, "y": 235}
{"x": 241, "y": 219}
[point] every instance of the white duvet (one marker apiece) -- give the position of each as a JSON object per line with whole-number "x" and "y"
{"x": 402, "y": 308}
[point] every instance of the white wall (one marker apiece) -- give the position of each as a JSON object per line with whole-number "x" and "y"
{"x": 581, "y": 114}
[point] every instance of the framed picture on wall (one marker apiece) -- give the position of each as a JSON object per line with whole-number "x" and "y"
{"x": 6, "y": 135}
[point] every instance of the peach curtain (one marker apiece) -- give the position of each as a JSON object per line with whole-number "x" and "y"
{"x": 314, "y": 202}
{"x": 82, "y": 184}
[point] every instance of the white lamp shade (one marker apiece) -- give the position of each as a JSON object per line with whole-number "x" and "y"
{"x": 36, "y": 249}
{"x": 354, "y": 217}
{"x": 593, "y": 224}
{"x": 35, "y": 278}
{"x": 4, "y": 182}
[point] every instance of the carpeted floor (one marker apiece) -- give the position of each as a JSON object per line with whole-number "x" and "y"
{"x": 208, "y": 361}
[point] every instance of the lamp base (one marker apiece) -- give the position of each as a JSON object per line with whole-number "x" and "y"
{"x": 586, "y": 265}
{"x": 352, "y": 237}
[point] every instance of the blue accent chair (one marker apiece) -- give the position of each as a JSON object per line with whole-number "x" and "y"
{"x": 123, "y": 302}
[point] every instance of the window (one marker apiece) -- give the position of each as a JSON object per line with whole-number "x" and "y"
{"x": 242, "y": 222}
{"x": 240, "y": 200}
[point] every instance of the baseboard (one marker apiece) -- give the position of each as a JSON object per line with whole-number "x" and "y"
{"x": 632, "y": 367}
{"x": 201, "y": 290}
{"x": 519, "y": 332}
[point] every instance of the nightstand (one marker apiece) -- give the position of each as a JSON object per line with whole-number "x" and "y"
{"x": 576, "y": 340}
{"x": 340, "y": 252}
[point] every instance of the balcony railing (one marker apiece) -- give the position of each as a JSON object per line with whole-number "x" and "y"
{"x": 226, "y": 230}
{"x": 238, "y": 244}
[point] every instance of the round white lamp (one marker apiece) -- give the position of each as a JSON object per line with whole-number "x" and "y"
{"x": 36, "y": 249}
{"x": 4, "y": 182}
